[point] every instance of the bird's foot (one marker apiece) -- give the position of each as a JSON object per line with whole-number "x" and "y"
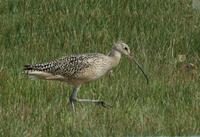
{"x": 103, "y": 104}
{"x": 72, "y": 101}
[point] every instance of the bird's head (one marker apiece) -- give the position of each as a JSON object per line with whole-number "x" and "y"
{"x": 123, "y": 48}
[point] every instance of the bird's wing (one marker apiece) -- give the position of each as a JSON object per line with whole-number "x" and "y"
{"x": 67, "y": 66}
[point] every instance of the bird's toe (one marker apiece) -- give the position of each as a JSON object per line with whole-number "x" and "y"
{"x": 103, "y": 104}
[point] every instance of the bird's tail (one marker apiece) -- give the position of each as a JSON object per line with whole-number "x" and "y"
{"x": 39, "y": 67}
{"x": 38, "y": 71}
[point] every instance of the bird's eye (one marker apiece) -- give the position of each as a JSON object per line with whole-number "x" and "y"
{"x": 125, "y": 48}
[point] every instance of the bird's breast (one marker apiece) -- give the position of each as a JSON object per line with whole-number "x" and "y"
{"x": 100, "y": 67}
{"x": 95, "y": 70}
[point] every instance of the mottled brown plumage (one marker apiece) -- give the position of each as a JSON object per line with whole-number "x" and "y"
{"x": 79, "y": 69}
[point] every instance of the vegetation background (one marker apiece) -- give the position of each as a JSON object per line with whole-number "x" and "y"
{"x": 157, "y": 31}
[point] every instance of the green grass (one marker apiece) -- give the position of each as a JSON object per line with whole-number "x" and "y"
{"x": 157, "y": 31}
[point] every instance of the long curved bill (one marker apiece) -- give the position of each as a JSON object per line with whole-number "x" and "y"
{"x": 145, "y": 75}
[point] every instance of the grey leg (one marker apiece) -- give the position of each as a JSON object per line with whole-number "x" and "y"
{"x": 98, "y": 102}
{"x": 73, "y": 98}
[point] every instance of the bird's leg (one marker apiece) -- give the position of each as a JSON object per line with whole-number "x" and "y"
{"x": 98, "y": 102}
{"x": 110, "y": 73}
{"x": 73, "y": 98}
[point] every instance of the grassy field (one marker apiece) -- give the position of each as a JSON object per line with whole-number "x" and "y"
{"x": 157, "y": 31}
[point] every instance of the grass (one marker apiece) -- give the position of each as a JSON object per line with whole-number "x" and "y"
{"x": 33, "y": 31}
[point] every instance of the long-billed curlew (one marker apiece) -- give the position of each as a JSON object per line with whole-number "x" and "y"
{"x": 80, "y": 69}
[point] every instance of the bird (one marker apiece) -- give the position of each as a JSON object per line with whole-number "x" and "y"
{"x": 80, "y": 69}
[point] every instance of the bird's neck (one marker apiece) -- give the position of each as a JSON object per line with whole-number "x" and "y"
{"x": 114, "y": 53}
{"x": 115, "y": 57}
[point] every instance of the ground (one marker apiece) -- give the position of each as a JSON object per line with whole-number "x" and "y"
{"x": 33, "y": 31}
